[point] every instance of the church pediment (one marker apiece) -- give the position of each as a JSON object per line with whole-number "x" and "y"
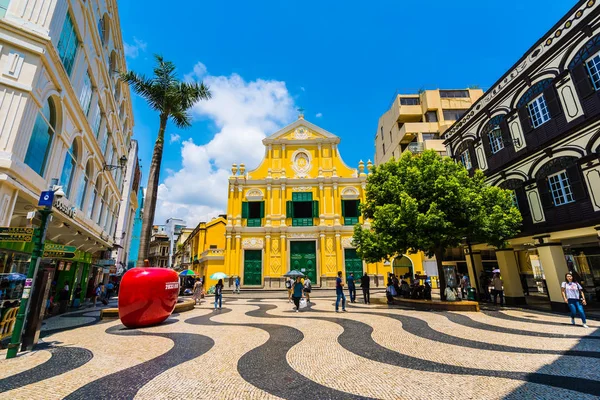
{"x": 301, "y": 131}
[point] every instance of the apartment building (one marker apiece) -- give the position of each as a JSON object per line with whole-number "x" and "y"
{"x": 416, "y": 122}
{"x": 158, "y": 253}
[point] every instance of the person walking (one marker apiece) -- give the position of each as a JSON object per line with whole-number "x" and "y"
{"x": 352, "y": 288}
{"x": 365, "y": 284}
{"x": 109, "y": 290}
{"x": 484, "y": 281}
{"x": 573, "y": 295}
{"x": 288, "y": 285}
{"x": 237, "y": 284}
{"x": 307, "y": 288}
{"x": 197, "y": 291}
{"x": 339, "y": 291}
{"x": 219, "y": 294}
{"x": 97, "y": 294}
{"x": 498, "y": 289}
{"x": 464, "y": 284}
{"x": 297, "y": 295}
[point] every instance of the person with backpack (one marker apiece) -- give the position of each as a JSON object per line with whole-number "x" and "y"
{"x": 339, "y": 291}
{"x": 365, "y": 284}
{"x": 219, "y": 294}
{"x": 352, "y": 288}
{"x": 307, "y": 288}
{"x": 573, "y": 295}
{"x": 288, "y": 286}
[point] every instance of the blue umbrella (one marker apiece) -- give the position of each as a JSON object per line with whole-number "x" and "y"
{"x": 218, "y": 275}
{"x": 16, "y": 277}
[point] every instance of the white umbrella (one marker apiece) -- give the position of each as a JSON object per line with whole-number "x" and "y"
{"x": 218, "y": 275}
{"x": 496, "y": 271}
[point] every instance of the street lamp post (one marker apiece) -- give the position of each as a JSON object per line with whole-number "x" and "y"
{"x": 38, "y": 250}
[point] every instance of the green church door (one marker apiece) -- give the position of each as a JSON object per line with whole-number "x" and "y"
{"x": 353, "y": 264}
{"x": 303, "y": 257}
{"x": 253, "y": 267}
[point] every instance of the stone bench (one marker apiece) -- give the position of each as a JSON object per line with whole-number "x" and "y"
{"x": 464, "y": 305}
{"x": 182, "y": 306}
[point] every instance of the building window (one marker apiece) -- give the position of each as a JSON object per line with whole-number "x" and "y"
{"x": 104, "y": 142}
{"x": 431, "y": 116}
{"x": 3, "y": 7}
{"x": 513, "y": 197}
{"x": 85, "y": 98}
{"x": 41, "y": 138}
{"x": 560, "y": 188}
{"x": 496, "y": 142}
{"x": 97, "y": 121}
{"x": 454, "y": 93}
{"x": 390, "y": 136}
{"x": 83, "y": 185}
{"x": 431, "y": 136}
{"x": 453, "y": 115}
{"x": 538, "y": 112}
{"x": 92, "y": 203}
{"x": 302, "y": 209}
{"x": 350, "y": 211}
{"x": 381, "y": 132}
{"x": 410, "y": 101}
{"x": 593, "y": 66}
{"x": 103, "y": 29}
{"x": 465, "y": 159}
{"x": 66, "y": 177}
{"x": 253, "y": 212}
{"x": 68, "y": 44}
{"x": 383, "y": 147}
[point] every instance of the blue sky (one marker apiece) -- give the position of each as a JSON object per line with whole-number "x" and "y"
{"x": 340, "y": 60}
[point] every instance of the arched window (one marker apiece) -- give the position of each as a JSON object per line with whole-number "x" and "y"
{"x": 104, "y": 28}
{"x": 403, "y": 267}
{"x": 102, "y": 210}
{"x": 41, "y": 138}
{"x": 494, "y": 133}
{"x": 93, "y": 197}
{"x": 66, "y": 178}
{"x": 585, "y": 67}
{"x": 538, "y": 105}
{"x": 83, "y": 185}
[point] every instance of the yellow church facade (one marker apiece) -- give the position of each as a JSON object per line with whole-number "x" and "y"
{"x": 297, "y": 210}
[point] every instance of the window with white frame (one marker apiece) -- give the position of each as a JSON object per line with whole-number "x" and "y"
{"x": 560, "y": 189}
{"x": 538, "y": 111}
{"x": 97, "y": 121}
{"x": 593, "y": 66}
{"x": 68, "y": 44}
{"x": 465, "y": 159}
{"x": 496, "y": 142}
{"x": 85, "y": 97}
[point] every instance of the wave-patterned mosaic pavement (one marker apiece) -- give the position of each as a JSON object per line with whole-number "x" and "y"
{"x": 261, "y": 349}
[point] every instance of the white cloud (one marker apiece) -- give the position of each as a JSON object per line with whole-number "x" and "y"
{"x": 319, "y": 115}
{"x": 244, "y": 113}
{"x": 302, "y": 88}
{"x": 133, "y": 50}
{"x": 174, "y": 138}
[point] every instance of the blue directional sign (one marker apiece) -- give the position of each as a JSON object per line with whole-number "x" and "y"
{"x": 46, "y": 199}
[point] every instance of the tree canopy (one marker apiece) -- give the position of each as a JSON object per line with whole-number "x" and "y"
{"x": 430, "y": 203}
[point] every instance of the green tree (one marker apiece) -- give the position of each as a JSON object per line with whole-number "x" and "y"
{"x": 429, "y": 203}
{"x": 172, "y": 99}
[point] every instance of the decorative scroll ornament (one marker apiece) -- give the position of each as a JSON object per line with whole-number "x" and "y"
{"x": 301, "y": 163}
{"x": 301, "y": 133}
{"x": 252, "y": 243}
{"x": 348, "y": 243}
{"x": 350, "y": 193}
{"x": 302, "y": 235}
{"x": 254, "y": 194}
{"x": 301, "y": 189}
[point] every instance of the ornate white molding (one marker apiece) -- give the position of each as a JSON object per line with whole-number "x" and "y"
{"x": 301, "y": 189}
{"x": 301, "y": 133}
{"x": 301, "y": 162}
{"x": 302, "y": 235}
{"x": 252, "y": 243}
{"x": 350, "y": 193}
{"x": 254, "y": 195}
{"x": 348, "y": 243}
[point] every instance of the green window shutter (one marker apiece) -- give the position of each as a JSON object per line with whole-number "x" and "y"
{"x": 289, "y": 209}
{"x": 343, "y": 208}
{"x": 315, "y": 208}
{"x": 245, "y": 209}
{"x": 262, "y": 209}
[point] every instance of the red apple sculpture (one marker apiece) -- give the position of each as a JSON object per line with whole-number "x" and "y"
{"x": 147, "y": 296}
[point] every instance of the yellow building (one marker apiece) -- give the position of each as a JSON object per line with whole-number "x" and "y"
{"x": 297, "y": 210}
{"x": 206, "y": 245}
{"x": 416, "y": 122}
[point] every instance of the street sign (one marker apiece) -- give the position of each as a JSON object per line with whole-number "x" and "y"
{"x": 16, "y": 234}
{"x": 59, "y": 251}
{"x": 46, "y": 199}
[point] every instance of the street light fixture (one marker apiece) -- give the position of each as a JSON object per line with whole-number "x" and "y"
{"x": 122, "y": 164}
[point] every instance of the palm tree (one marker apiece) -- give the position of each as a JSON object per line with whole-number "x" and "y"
{"x": 172, "y": 99}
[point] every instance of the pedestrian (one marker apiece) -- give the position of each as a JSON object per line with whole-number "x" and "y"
{"x": 219, "y": 294}
{"x": 298, "y": 288}
{"x": 288, "y": 285}
{"x": 484, "y": 281}
{"x": 97, "y": 294}
{"x": 77, "y": 296}
{"x": 573, "y": 295}
{"x": 365, "y": 284}
{"x": 524, "y": 284}
{"x": 64, "y": 298}
{"x": 497, "y": 288}
{"x": 339, "y": 291}
{"x": 464, "y": 282}
{"x": 307, "y": 288}
{"x": 197, "y": 290}
{"x": 237, "y": 284}
{"x": 352, "y": 288}
{"x": 109, "y": 290}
